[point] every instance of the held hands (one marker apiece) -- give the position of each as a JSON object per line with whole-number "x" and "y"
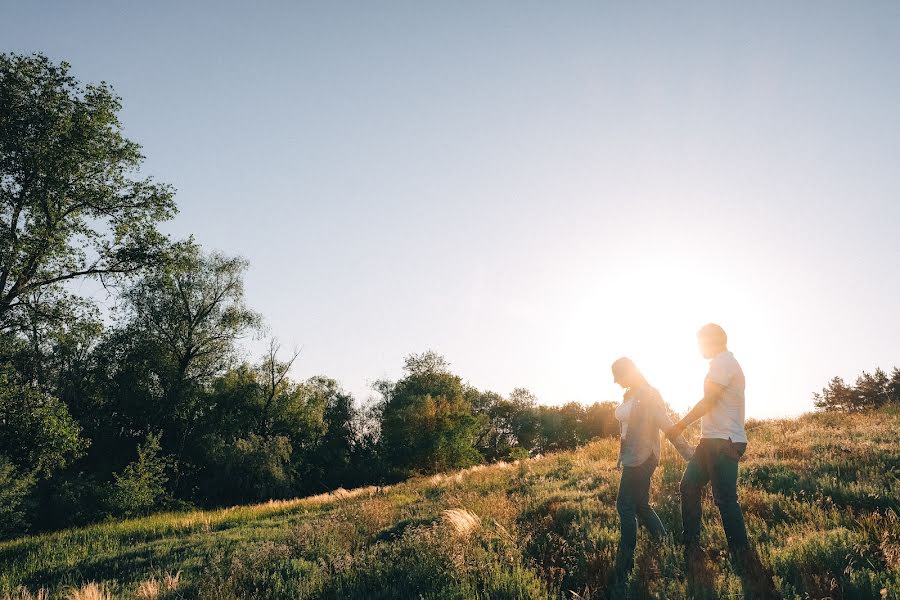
{"x": 674, "y": 434}
{"x": 674, "y": 431}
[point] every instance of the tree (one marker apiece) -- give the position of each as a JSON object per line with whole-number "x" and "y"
{"x": 497, "y": 437}
{"x": 290, "y": 437}
{"x": 192, "y": 309}
{"x": 836, "y": 396}
{"x": 70, "y": 207}
{"x": 178, "y": 329}
{"x": 872, "y": 389}
{"x": 250, "y": 469}
{"x": 141, "y": 486}
{"x": 525, "y": 421}
{"x": 15, "y": 490}
{"x": 272, "y": 379}
{"x": 427, "y": 423}
{"x": 38, "y": 440}
{"x": 560, "y": 426}
{"x": 331, "y": 461}
{"x": 894, "y": 386}
{"x": 37, "y": 434}
{"x": 428, "y": 362}
{"x": 599, "y": 421}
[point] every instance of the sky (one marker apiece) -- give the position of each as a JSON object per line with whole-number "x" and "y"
{"x": 530, "y": 189}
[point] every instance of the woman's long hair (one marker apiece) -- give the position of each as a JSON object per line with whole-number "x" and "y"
{"x": 626, "y": 366}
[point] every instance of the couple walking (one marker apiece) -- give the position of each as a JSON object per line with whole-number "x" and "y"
{"x": 643, "y": 415}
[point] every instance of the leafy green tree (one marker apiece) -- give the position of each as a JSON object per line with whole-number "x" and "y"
{"x": 599, "y": 420}
{"x": 872, "y": 389}
{"x": 70, "y": 206}
{"x": 179, "y": 328}
{"x": 894, "y": 386}
{"x": 837, "y": 396}
{"x": 559, "y": 427}
{"x": 234, "y": 404}
{"x": 525, "y": 422}
{"x": 15, "y": 492}
{"x": 333, "y": 461}
{"x": 252, "y": 468}
{"x": 301, "y": 434}
{"x": 427, "y": 424}
{"x": 37, "y": 434}
{"x": 141, "y": 486}
{"x": 497, "y": 438}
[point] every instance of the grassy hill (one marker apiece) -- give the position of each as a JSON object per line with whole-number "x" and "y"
{"x": 820, "y": 494}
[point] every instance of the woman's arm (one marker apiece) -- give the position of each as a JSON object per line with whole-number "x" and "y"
{"x": 664, "y": 423}
{"x": 683, "y": 447}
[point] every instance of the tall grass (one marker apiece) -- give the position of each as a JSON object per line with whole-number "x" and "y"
{"x": 820, "y": 495}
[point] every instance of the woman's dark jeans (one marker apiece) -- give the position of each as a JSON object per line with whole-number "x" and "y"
{"x": 633, "y": 504}
{"x": 714, "y": 461}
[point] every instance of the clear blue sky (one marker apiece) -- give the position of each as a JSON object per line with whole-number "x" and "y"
{"x": 531, "y": 189}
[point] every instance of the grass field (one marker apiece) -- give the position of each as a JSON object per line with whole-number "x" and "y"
{"x": 820, "y": 496}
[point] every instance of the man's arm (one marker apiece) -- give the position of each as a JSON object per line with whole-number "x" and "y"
{"x": 712, "y": 393}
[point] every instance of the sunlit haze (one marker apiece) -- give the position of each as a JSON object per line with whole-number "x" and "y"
{"x": 530, "y": 189}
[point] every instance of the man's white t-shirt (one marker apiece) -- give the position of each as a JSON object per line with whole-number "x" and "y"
{"x": 726, "y": 419}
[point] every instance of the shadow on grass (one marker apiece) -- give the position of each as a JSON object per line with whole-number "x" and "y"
{"x": 399, "y": 528}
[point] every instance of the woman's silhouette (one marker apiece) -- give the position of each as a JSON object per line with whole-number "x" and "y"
{"x": 642, "y": 415}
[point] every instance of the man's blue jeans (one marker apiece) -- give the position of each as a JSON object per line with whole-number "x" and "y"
{"x": 715, "y": 461}
{"x": 633, "y": 504}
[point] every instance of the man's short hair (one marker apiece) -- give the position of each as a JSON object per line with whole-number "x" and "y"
{"x": 713, "y": 333}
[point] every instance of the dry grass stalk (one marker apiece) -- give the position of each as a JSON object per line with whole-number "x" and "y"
{"x": 341, "y": 493}
{"x": 338, "y": 494}
{"x": 147, "y": 590}
{"x": 89, "y": 591}
{"x": 150, "y": 589}
{"x": 171, "y": 582}
{"x": 461, "y": 521}
{"x": 23, "y": 593}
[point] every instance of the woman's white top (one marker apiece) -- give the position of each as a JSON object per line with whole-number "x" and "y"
{"x": 623, "y": 413}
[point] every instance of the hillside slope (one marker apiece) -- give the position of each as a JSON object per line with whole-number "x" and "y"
{"x": 820, "y": 495}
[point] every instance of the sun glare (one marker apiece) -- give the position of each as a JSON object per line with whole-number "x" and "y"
{"x": 651, "y": 312}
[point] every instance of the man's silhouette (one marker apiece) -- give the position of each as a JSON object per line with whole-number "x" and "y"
{"x": 722, "y": 443}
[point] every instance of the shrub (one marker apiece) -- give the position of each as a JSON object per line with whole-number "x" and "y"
{"x": 252, "y": 468}
{"x": 141, "y": 487}
{"x": 815, "y": 563}
{"x": 14, "y": 494}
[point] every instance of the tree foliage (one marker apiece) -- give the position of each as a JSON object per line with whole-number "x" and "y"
{"x": 147, "y": 403}
{"x": 37, "y": 433}
{"x": 871, "y": 390}
{"x": 70, "y": 206}
{"x": 15, "y": 491}
{"x": 427, "y": 423}
{"x": 141, "y": 486}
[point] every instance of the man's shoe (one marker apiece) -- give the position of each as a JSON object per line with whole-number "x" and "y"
{"x": 693, "y": 553}
{"x": 617, "y": 588}
{"x": 700, "y": 576}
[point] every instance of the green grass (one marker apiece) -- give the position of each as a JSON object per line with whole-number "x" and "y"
{"x": 820, "y": 496}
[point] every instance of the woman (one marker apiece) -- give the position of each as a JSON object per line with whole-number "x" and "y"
{"x": 642, "y": 415}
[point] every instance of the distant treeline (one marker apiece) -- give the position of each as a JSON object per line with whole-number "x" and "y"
{"x": 871, "y": 390}
{"x": 142, "y": 403}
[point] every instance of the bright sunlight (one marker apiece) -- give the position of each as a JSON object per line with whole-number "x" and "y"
{"x": 650, "y": 310}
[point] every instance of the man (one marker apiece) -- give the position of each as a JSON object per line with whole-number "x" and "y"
{"x": 722, "y": 443}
